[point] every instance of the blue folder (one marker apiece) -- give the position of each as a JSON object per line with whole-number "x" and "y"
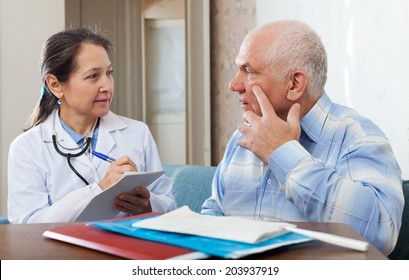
{"x": 211, "y": 246}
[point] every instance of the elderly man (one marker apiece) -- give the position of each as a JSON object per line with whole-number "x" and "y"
{"x": 298, "y": 156}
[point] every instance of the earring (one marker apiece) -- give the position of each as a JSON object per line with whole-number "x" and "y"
{"x": 59, "y": 102}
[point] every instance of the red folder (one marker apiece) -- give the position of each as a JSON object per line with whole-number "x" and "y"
{"x": 120, "y": 245}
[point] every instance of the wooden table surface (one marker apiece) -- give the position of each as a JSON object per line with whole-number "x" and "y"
{"x": 25, "y": 242}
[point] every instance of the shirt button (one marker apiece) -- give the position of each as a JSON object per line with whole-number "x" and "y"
{"x": 269, "y": 181}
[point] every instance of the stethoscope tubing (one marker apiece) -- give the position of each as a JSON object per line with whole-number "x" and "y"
{"x": 70, "y": 155}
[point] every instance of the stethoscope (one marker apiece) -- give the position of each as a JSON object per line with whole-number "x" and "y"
{"x": 85, "y": 147}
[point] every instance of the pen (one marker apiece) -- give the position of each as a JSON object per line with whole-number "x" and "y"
{"x": 103, "y": 157}
{"x": 332, "y": 239}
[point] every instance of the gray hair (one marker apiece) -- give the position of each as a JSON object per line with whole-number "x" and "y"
{"x": 298, "y": 47}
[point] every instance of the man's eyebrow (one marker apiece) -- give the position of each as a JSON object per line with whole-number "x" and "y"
{"x": 241, "y": 64}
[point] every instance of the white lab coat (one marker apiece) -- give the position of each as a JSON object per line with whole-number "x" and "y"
{"x": 43, "y": 188}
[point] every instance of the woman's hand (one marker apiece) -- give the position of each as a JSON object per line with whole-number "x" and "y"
{"x": 134, "y": 203}
{"x": 116, "y": 170}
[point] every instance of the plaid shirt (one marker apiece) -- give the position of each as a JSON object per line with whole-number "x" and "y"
{"x": 342, "y": 170}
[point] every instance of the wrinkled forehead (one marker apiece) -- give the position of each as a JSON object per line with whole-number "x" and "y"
{"x": 90, "y": 57}
{"x": 255, "y": 47}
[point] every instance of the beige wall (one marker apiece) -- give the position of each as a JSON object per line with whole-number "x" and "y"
{"x": 230, "y": 21}
{"x": 20, "y": 81}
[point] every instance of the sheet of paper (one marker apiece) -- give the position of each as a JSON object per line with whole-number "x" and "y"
{"x": 101, "y": 206}
{"x": 183, "y": 220}
{"x": 211, "y": 246}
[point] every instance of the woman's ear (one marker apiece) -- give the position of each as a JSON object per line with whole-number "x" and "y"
{"x": 297, "y": 86}
{"x": 54, "y": 85}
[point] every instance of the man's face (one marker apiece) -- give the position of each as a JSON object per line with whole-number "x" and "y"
{"x": 253, "y": 69}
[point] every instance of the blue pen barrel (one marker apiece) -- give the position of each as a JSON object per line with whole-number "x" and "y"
{"x": 103, "y": 156}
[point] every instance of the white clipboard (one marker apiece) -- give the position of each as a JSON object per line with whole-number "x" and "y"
{"x": 101, "y": 206}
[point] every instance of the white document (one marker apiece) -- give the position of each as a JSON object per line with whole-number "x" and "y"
{"x": 101, "y": 206}
{"x": 183, "y": 220}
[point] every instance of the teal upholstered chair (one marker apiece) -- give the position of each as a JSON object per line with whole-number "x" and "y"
{"x": 191, "y": 184}
{"x": 401, "y": 251}
{"x": 4, "y": 220}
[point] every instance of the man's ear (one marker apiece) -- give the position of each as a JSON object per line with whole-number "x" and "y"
{"x": 297, "y": 85}
{"x": 54, "y": 85}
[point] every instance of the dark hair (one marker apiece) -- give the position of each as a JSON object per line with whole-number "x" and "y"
{"x": 58, "y": 57}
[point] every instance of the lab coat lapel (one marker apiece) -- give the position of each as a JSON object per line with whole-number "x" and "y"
{"x": 104, "y": 145}
{"x": 106, "y": 141}
{"x": 52, "y": 126}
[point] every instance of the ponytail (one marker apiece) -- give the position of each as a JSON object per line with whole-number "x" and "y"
{"x": 47, "y": 104}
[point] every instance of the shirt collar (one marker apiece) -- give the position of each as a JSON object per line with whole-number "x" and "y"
{"x": 312, "y": 123}
{"x": 76, "y": 136}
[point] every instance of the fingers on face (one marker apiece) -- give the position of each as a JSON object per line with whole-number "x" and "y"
{"x": 244, "y": 128}
{"x": 265, "y": 105}
{"x": 250, "y": 117}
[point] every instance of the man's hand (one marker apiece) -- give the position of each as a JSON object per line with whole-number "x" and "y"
{"x": 134, "y": 203}
{"x": 266, "y": 133}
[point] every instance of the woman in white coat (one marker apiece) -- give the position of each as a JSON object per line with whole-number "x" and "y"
{"x": 72, "y": 114}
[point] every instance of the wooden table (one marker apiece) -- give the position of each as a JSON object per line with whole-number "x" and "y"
{"x": 25, "y": 242}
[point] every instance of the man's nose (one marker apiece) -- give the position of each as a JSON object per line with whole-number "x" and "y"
{"x": 236, "y": 84}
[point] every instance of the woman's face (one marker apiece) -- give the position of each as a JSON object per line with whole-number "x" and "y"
{"x": 89, "y": 90}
